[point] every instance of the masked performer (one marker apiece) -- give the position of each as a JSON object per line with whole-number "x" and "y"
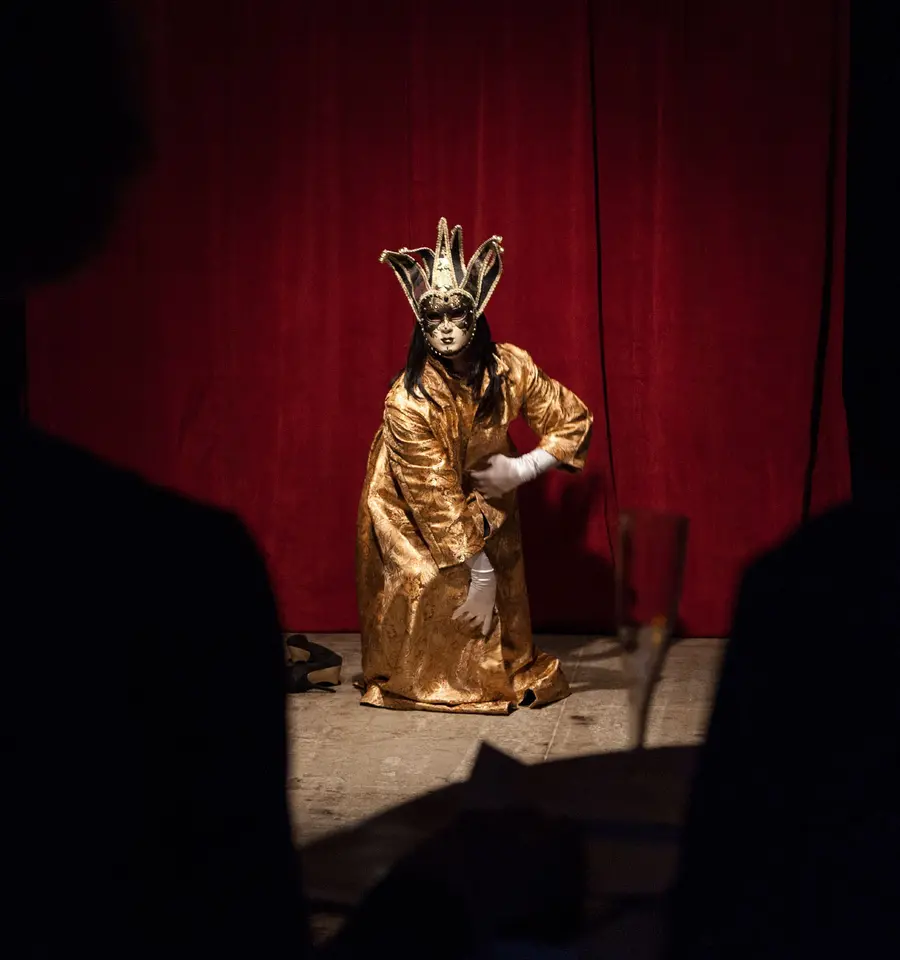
{"x": 440, "y": 579}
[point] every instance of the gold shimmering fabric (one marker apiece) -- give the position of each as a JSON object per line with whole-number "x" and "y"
{"x": 419, "y": 521}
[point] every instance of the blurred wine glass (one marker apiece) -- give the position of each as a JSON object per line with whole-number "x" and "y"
{"x": 649, "y": 572}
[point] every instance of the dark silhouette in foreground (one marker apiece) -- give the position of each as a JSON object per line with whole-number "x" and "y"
{"x": 793, "y": 840}
{"x": 793, "y": 837}
{"x": 144, "y": 729}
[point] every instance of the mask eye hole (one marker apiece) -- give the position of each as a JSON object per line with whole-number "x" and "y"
{"x": 457, "y": 316}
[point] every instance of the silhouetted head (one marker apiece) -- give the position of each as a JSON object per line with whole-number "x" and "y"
{"x": 73, "y": 134}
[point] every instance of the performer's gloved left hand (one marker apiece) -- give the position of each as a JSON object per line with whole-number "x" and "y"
{"x": 503, "y": 473}
{"x": 478, "y": 609}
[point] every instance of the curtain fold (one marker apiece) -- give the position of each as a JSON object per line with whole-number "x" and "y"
{"x": 659, "y": 172}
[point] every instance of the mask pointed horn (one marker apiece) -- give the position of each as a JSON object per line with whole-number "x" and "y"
{"x": 484, "y": 272}
{"x": 410, "y": 274}
{"x": 426, "y": 255}
{"x": 456, "y": 254}
{"x": 442, "y": 247}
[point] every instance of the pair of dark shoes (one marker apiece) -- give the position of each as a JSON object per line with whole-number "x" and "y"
{"x": 310, "y": 666}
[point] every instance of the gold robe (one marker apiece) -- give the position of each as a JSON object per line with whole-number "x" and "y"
{"x": 420, "y": 520}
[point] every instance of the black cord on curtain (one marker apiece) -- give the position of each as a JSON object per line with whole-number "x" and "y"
{"x": 826, "y": 304}
{"x": 592, "y": 69}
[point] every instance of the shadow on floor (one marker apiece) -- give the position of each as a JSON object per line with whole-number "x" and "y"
{"x": 627, "y": 809}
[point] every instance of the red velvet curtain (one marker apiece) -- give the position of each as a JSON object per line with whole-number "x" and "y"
{"x": 665, "y": 174}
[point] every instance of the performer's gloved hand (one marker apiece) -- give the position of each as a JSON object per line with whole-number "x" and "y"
{"x": 478, "y": 609}
{"x": 503, "y": 473}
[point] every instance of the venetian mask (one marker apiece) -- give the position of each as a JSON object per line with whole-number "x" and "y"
{"x": 448, "y": 323}
{"x": 447, "y": 294}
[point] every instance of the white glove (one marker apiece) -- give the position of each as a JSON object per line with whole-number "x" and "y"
{"x": 478, "y": 609}
{"x": 503, "y": 473}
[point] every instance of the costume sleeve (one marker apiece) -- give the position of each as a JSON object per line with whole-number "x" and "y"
{"x": 453, "y": 524}
{"x": 561, "y": 421}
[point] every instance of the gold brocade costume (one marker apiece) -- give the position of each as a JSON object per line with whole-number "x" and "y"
{"x": 420, "y": 520}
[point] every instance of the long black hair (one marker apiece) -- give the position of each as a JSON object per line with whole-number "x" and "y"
{"x": 483, "y": 353}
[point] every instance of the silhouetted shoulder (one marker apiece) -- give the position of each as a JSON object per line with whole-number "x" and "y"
{"x": 75, "y": 476}
{"x": 149, "y": 666}
{"x": 822, "y": 571}
{"x": 101, "y": 514}
{"x": 812, "y": 544}
{"x": 170, "y": 589}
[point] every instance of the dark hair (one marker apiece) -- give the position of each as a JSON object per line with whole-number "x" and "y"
{"x": 483, "y": 351}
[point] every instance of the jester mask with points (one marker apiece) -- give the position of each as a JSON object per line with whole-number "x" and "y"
{"x": 447, "y": 294}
